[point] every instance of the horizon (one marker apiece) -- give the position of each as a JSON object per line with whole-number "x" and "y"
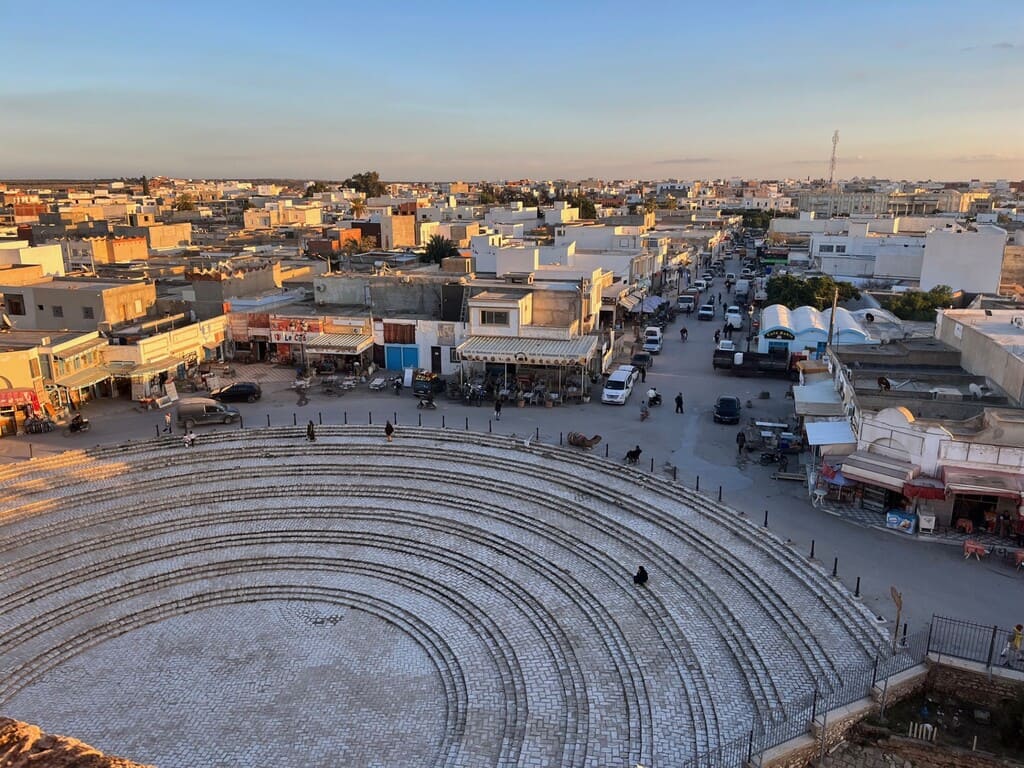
{"x": 575, "y": 91}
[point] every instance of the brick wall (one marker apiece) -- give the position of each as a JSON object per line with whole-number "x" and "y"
{"x": 971, "y": 682}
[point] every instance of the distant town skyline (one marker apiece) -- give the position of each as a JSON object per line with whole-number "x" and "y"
{"x": 453, "y": 90}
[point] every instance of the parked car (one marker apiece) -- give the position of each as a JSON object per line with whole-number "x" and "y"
{"x": 730, "y": 277}
{"x": 642, "y": 360}
{"x": 700, "y": 285}
{"x": 249, "y": 391}
{"x": 619, "y": 386}
{"x": 706, "y": 312}
{"x": 733, "y": 317}
{"x": 727, "y": 410}
{"x": 708, "y": 277}
{"x": 653, "y": 340}
{"x": 427, "y": 384}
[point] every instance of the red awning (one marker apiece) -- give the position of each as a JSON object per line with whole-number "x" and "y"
{"x": 924, "y": 488}
{"x": 12, "y": 398}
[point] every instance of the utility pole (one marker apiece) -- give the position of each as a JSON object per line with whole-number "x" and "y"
{"x": 832, "y": 317}
{"x": 832, "y": 161}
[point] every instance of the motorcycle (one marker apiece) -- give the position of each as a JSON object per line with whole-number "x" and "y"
{"x": 77, "y": 426}
{"x": 655, "y": 399}
{"x": 645, "y": 414}
{"x": 775, "y": 457}
{"x": 396, "y": 384}
{"x": 427, "y": 403}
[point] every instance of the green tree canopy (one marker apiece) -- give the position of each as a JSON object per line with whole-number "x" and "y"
{"x": 438, "y": 248}
{"x": 920, "y": 305}
{"x": 315, "y": 188}
{"x": 367, "y": 182}
{"x": 817, "y": 292}
{"x": 184, "y": 202}
{"x": 487, "y": 196}
{"x": 587, "y": 208}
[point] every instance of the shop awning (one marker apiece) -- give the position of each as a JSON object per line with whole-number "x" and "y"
{"x": 502, "y": 349}
{"x": 84, "y": 378}
{"x": 339, "y": 343}
{"x": 628, "y": 302}
{"x": 875, "y": 469}
{"x": 924, "y": 488}
{"x": 830, "y": 433}
{"x": 12, "y": 398}
{"x": 983, "y": 485}
{"x": 817, "y": 399}
{"x": 211, "y": 345}
{"x": 143, "y": 369}
{"x": 649, "y": 306}
{"x": 78, "y": 349}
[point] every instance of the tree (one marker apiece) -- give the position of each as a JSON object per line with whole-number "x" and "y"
{"x": 184, "y": 202}
{"x": 487, "y": 196}
{"x": 362, "y": 245}
{"x": 145, "y": 186}
{"x": 358, "y": 209}
{"x": 438, "y": 248}
{"x": 920, "y": 305}
{"x": 817, "y": 292}
{"x": 315, "y": 189}
{"x": 368, "y": 183}
{"x": 587, "y": 208}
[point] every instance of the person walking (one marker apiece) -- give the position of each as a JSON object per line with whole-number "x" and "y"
{"x": 497, "y": 409}
{"x": 389, "y": 430}
{"x": 168, "y": 427}
{"x": 643, "y": 373}
{"x": 311, "y": 432}
{"x": 679, "y": 403}
{"x": 1014, "y": 643}
{"x": 741, "y": 441}
{"x": 718, "y": 337}
{"x": 190, "y": 439}
{"x": 640, "y": 577}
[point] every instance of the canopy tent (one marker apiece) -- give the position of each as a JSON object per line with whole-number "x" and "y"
{"x": 875, "y": 469}
{"x": 83, "y": 378}
{"x": 339, "y": 343}
{"x": 628, "y": 302}
{"x": 510, "y": 349}
{"x": 817, "y": 399}
{"x": 649, "y": 305}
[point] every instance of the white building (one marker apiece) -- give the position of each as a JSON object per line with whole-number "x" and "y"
{"x": 805, "y": 328}
{"x": 19, "y": 252}
{"x": 964, "y": 260}
{"x": 561, "y": 213}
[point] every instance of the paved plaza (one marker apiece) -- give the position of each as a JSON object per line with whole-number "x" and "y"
{"x": 451, "y": 599}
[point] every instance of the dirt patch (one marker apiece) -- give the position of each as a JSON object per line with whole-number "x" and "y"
{"x": 26, "y": 746}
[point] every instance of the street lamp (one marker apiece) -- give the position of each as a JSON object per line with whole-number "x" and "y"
{"x": 750, "y": 325}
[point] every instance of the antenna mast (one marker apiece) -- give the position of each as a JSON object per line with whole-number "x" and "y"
{"x": 832, "y": 161}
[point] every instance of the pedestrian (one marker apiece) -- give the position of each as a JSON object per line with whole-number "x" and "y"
{"x": 719, "y": 297}
{"x": 311, "y": 432}
{"x": 497, "y": 409}
{"x": 643, "y": 373}
{"x": 679, "y": 403}
{"x": 718, "y": 337}
{"x": 190, "y": 439}
{"x": 389, "y": 430}
{"x": 741, "y": 441}
{"x": 1013, "y": 644}
{"x": 640, "y": 577}
{"x": 167, "y": 422}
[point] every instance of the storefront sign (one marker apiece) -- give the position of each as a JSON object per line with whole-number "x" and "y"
{"x": 12, "y": 398}
{"x": 779, "y": 333}
{"x": 901, "y": 521}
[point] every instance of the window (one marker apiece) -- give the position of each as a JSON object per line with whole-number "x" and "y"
{"x": 33, "y": 367}
{"x": 840, "y": 249}
{"x": 15, "y": 303}
{"x": 399, "y": 333}
{"x": 488, "y": 317}
{"x": 88, "y": 313}
{"x": 58, "y": 310}
{"x": 826, "y": 249}
{"x": 453, "y": 355}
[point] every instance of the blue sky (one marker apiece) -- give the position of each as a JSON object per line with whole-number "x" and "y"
{"x": 448, "y": 90}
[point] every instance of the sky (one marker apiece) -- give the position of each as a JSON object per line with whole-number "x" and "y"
{"x": 481, "y": 90}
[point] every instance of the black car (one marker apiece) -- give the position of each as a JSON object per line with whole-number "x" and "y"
{"x": 642, "y": 360}
{"x": 727, "y": 410}
{"x": 241, "y": 390}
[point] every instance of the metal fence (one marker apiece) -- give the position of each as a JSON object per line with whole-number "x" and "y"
{"x": 983, "y": 643}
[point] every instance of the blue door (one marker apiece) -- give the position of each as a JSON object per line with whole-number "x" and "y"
{"x": 398, "y": 356}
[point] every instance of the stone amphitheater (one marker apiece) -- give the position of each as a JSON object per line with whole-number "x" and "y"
{"x": 449, "y": 599}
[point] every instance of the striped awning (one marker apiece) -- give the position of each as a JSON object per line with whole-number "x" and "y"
{"x": 502, "y": 349}
{"x": 875, "y": 469}
{"x": 628, "y": 302}
{"x": 339, "y": 343}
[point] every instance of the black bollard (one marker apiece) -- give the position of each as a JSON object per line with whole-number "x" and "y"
{"x": 652, "y": 465}
{"x": 395, "y": 414}
{"x": 157, "y": 428}
{"x": 856, "y": 590}
{"x": 536, "y": 434}
{"x": 442, "y": 421}
{"x": 419, "y": 419}
{"x": 811, "y": 556}
{"x": 467, "y": 423}
{"x": 719, "y": 493}
{"x": 30, "y": 445}
{"x": 345, "y": 416}
{"x": 268, "y": 419}
{"x": 488, "y": 426}
{"x": 674, "y": 474}
{"x": 320, "y": 417}
{"x": 559, "y": 438}
{"x": 835, "y": 567}
{"x": 295, "y": 420}
{"x": 903, "y": 642}
{"x": 698, "y": 483}
{"x": 766, "y": 518}
{"x": 605, "y": 449}
{"x": 370, "y": 418}
{"x": 241, "y": 423}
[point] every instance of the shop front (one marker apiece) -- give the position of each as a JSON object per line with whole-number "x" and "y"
{"x": 881, "y": 480}
{"x": 348, "y": 353}
{"x": 82, "y": 386}
{"x": 985, "y": 502}
{"x": 548, "y": 371}
{"x": 144, "y": 381}
{"x": 17, "y": 405}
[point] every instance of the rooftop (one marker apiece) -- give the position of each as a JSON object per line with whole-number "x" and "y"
{"x": 17, "y": 340}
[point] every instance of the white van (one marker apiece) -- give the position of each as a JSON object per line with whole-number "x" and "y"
{"x": 653, "y": 340}
{"x": 619, "y": 386}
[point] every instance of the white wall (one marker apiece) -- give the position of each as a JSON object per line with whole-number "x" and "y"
{"x": 966, "y": 261}
{"x": 49, "y": 257}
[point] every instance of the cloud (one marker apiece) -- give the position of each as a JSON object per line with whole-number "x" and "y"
{"x": 985, "y": 157}
{"x": 1000, "y": 46}
{"x": 684, "y": 160}
{"x": 840, "y": 160}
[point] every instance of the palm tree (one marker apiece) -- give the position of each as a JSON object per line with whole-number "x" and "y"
{"x": 358, "y": 209}
{"x": 439, "y": 248}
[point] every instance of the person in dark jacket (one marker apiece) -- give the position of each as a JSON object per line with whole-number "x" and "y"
{"x": 311, "y": 432}
{"x": 389, "y": 430}
{"x": 640, "y": 577}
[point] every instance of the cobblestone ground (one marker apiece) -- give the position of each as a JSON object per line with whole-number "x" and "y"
{"x": 450, "y": 599}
